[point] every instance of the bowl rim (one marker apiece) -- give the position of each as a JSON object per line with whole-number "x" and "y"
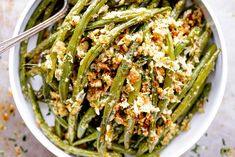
{"x": 59, "y": 152}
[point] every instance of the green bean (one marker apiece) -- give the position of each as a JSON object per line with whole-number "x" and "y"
{"x": 194, "y": 75}
{"x": 121, "y": 76}
{"x": 35, "y": 71}
{"x": 23, "y": 49}
{"x": 115, "y": 3}
{"x": 115, "y": 154}
{"x": 143, "y": 147}
{"x": 23, "y": 80}
{"x": 202, "y": 98}
{"x": 67, "y": 66}
{"x": 72, "y": 127}
{"x": 40, "y": 71}
{"x": 175, "y": 115}
{"x": 63, "y": 31}
{"x": 179, "y": 7}
{"x": 97, "y": 49}
{"x": 203, "y": 41}
{"x": 195, "y": 90}
{"x": 83, "y": 124}
{"x": 167, "y": 83}
{"x": 47, "y": 14}
{"x": 76, "y": 123}
{"x": 62, "y": 122}
{"x": 35, "y": 105}
{"x": 72, "y": 2}
{"x": 121, "y": 139}
{"x": 179, "y": 48}
{"x": 115, "y": 91}
{"x": 45, "y": 44}
{"x": 153, "y": 4}
{"x": 121, "y": 149}
{"x": 58, "y": 128}
{"x": 145, "y": 3}
{"x": 46, "y": 90}
{"x": 137, "y": 86}
{"x": 59, "y": 119}
{"x": 88, "y": 138}
{"x": 47, "y": 130}
{"x": 152, "y": 133}
{"x": 128, "y": 131}
{"x": 74, "y": 41}
{"x": 45, "y": 87}
{"x": 91, "y": 129}
{"x": 38, "y": 12}
{"x": 197, "y": 105}
{"x": 75, "y": 11}
{"x": 168, "y": 79}
{"x": 161, "y": 104}
{"x": 118, "y": 16}
{"x": 152, "y": 128}
{"x": 205, "y": 37}
{"x": 117, "y": 133}
{"x": 173, "y": 54}
{"x": 155, "y": 153}
{"x": 138, "y": 142}
{"x": 154, "y": 114}
{"x": 165, "y": 3}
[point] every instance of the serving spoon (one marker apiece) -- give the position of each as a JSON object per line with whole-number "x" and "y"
{"x": 5, "y": 45}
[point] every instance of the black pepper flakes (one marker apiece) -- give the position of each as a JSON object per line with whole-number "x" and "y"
{"x": 24, "y": 138}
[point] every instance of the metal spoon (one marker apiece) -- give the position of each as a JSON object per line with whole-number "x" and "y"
{"x": 5, "y": 45}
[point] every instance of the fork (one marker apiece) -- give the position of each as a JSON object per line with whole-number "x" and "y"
{"x": 5, "y": 45}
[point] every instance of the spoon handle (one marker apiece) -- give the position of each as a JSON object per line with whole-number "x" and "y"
{"x": 5, "y": 45}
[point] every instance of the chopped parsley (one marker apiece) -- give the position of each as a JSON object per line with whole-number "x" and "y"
{"x": 23, "y": 150}
{"x": 49, "y": 112}
{"x": 196, "y": 149}
{"x": 225, "y": 151}
{"x": 223, "y": 141}
{"x": 24, "y": 138}
{"x": 12, "y": 139}
{"x": 1, "y": 152}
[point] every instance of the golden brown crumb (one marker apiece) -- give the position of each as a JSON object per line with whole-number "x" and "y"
{"x": 9, "y": 92}
{"x": 54, "y": 95}
{"x": 133, "y": 76}
{"x": 140, "y": 50}
{"x": 103, "y": 66}
{"x": 18, "y": 151}
{"x": 2, "y": 127}
{"x": 5, "y": 116}
{"x": 145, "y": 87}
{"x": 124, "y": 47}
{"x": 11, "y": 109}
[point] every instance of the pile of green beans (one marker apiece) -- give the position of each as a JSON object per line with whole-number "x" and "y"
{"x": 149, "y": 59}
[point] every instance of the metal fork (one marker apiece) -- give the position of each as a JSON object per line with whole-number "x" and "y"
{"x": 5, "y": 45}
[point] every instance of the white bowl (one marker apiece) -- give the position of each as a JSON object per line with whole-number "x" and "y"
{"x": 180, "y": 144}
